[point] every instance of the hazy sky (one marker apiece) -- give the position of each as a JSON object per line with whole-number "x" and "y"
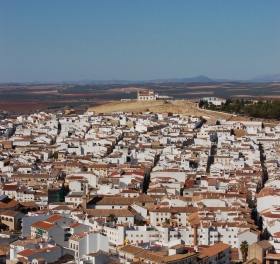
{"x": 138, "y": 40}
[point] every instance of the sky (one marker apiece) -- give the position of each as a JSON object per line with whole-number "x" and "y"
{"x": 69, "y": 40}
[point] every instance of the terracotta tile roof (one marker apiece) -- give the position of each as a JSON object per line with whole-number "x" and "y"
{"x": 78, "y": 236}
{"x": 178, "y": 209}
{"x": 26, "y": 253}
{"x": 178, "y": 257}
{"x": 277, "y": 234}
{"x": 215, "y": 249}
{"x": 54, "y": 218}
{"x": 23, "y": 260}
{"x": 270, "y": 215}
{"x": 131, "y": 249}
{"x": 29, "y": 204}
{"x": 149, "y": 255}
{"x": 46, "y": 249}
{"x": 157, "y": 190}
{"x": 10, "y": 213}
{"x": 144, "y": 198}
{"x": 74, "y": 225}
{"x": 62, "y": 207}
{"x": 129, "y": 191}
{"x": 42, "y": 225}
{"x": 107, "y": 212}
{"x": 234, "y": 254}
{"x": 10, "y": 204}
{"x": 10, "y": 187}
{"x": 273, "y": 256}
{"x": 115, "y": 201}
{"x": 264, "y": 244}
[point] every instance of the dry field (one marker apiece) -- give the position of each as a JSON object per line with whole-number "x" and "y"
{"x": 20, "y": 107}
{"x": 177, "y": 107}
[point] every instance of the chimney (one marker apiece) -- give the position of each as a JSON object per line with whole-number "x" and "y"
{"x": 195, "y": 235}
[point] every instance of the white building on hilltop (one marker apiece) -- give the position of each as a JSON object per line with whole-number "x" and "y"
{"x": 147, "y": 95}
{"x": 214, "y": 100}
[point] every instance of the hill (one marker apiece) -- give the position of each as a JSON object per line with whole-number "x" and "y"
{"x": 176, "y": 107}
{"x": 266, "y": 78}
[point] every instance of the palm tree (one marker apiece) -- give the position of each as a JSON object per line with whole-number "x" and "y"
{"x": 113, "y": 218}
{"x": 244, "y": 249}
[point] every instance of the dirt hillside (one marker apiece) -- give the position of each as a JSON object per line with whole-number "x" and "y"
{"x": 176, "y": 107}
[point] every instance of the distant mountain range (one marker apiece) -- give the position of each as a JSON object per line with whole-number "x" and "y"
{"x": 266, "y": 78}
{"x": 196, "y": 79}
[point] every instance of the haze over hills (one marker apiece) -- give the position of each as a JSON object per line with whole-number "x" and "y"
{"x": 196, "y": 79}
{"x": 266, "y": 78}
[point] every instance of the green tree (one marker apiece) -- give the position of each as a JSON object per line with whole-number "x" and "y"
{"x": 139, "y": 223}
{"x": 182, "y": 191}
{"x": 167, "y": 221}
{"x": 201, "y": 104}
{"x": 18, "y": 226}
{"x": 55, "y": 155}
{"x": 113, "y": 218}
{"x": 3, "y": 226}
{"x": 244, "y": 249}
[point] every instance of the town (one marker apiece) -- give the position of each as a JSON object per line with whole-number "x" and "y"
{"x": 138, "y": 187}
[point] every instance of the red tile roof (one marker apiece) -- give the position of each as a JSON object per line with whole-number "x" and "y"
{"x": 53, "y": 218}
{"x": 42, "y": 225}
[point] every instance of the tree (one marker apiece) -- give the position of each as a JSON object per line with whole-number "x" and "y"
{"x": 201, "y": 104}
{"x": 244, "y": 249}
{"x": 139, "y": 223}
{"x": 182, "y": 191}
{"x": 113, "y": 218}
{"x": 18, "y": 226}
{"x": 167, "y": 221}
{"x": 3, "y": 226}
{"x": 55, "y": 155}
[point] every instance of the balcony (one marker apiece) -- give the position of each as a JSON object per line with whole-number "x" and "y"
{"x": 40, "y": 231}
